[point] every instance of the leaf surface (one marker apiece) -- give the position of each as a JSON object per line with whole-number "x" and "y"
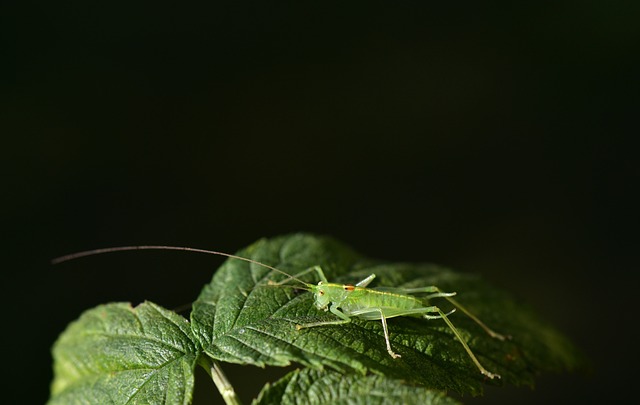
{"x": 117, "y": 354}
{"x": 316, "y": 387}
{"x": 240, "y": 318}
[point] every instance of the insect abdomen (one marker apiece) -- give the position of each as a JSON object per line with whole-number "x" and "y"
{"x": 378, "y": 299}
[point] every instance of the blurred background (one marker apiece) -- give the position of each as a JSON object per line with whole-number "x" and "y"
{"x": 492, "y": 139}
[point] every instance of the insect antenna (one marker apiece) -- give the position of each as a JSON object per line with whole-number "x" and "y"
{"x": 92, "y": 252}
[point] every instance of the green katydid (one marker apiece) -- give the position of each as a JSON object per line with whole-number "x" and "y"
{"x": 347, "y": 300}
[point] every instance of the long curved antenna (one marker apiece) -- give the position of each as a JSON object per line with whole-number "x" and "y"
{"x": 86, "y": 253}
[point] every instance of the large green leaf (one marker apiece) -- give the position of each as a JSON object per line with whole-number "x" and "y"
{"x": 315, "y": 387}
{"x": 117, "y": 354}
{"x": 240, "y": 318}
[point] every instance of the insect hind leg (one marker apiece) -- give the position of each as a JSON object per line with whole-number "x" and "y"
{"x": 489, "y": 331}
{"x": 427, "y": 316}
{"x": 455, "y": 331}
{"x": 438, "y": 293}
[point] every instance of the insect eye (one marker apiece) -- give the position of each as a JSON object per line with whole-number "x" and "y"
{"x": 321, "y": 292}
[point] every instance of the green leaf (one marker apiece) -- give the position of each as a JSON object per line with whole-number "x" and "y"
{"x": 117, "y": 354}
{"x": 329, "y": 387}
{"x": 240, "y": 318}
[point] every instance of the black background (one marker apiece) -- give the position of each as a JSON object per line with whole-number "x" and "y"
{"x": 492, "y": 139}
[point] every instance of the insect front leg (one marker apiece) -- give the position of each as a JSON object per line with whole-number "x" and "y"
{"x": 334, "y": 310}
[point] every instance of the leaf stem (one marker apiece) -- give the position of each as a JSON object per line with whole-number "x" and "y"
{"x": 220, "y": 380}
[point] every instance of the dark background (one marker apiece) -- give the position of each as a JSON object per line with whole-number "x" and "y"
{"x": 495, "y": 140}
